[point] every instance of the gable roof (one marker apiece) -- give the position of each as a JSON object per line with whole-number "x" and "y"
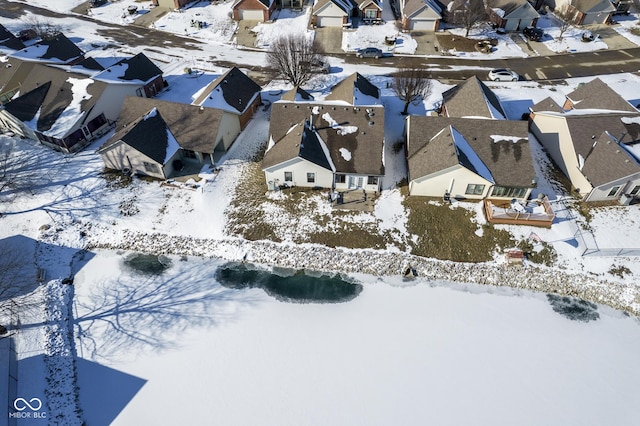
{"x": 302, "y": 140}
{"x": 585, "y": 129}
{"x": 233, "y": 92}
{"x": 608, "y": 161}
{"x": 194, "y": 128}
{"x": 361, "y": 4}
{"x": 354, "y": 136}
{"x": 472, "y": 98}
{"x": 355, "y": 90}
{"x": 547, "y": 104}
{"x": 596, "y": 94}
{"x": 593, "y": 6}
{"x": 497, "y": 150}
{"x": 297, "y": 94}
{"x": 69, "y": 97}
{"x": 344, "y": 5}
{"x": 137, "y": 69}
{"x": 415, "y": 7}
{"x": 266, "y": 4}
{"x": 55, "y": 50}
{"x": 8, "y": 41}
{"x": 514, "y": 9}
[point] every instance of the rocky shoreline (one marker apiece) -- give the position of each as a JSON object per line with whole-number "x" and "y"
{"x": 620, "y": 296}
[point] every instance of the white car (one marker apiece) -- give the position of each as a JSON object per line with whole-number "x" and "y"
{"x": 503, "y": 74}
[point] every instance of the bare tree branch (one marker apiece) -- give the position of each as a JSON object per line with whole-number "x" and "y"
{"x": 468, "y": 13}
{"x": 294, "y": 56}
{"x": 411, "y": 84}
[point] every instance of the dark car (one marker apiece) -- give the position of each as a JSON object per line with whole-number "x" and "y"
{"x": 533, "y": 33}
{"x": 369, "y": 52}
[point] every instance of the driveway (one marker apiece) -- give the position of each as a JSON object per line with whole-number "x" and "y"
{"x": 245, "y": 37}
{"x": 330, "y": 39}
{"x": 427, "y": 42}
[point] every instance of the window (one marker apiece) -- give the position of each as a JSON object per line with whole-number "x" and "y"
{"x": 139, "y": 92}
{"x": 288, "y": 176}
{"x": 372, "y": 180}
{"x": 371, "y": 14}
{"x": 613, "y": 191}
{"x": 341, "y": 179}
{"x": 189, "y": 154}
{"x": 635, "y": 190}
{"x": 508, "y": 192}
{"x": 311, "y": 177}
{"x": 150, "y": 167}
{"x": 474, "y": 189}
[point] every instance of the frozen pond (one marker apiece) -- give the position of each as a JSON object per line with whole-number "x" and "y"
{"x": 176, "y": 347}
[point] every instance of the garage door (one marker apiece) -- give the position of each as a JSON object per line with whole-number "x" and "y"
{"x": 329, "y": 21}
{"x": 251, "y": 15}
{"x": 422, "y": 25}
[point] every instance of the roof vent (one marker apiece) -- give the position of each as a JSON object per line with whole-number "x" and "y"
{"x": 371, "y": 123}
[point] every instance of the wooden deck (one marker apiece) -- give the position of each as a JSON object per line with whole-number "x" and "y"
{"x": 355, "y": 199}
{"x": 500, "y": 212}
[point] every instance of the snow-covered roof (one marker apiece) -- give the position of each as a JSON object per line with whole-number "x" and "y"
{"x": 233, "y": 92}
{"x": 55, "y": 50}
{"x": 137, "y": 69}
{"x": 472, "y": 98}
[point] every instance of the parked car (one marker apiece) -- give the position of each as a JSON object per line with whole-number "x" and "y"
{"x": 533, "y": 33}
{"x": 320, "y": 66}
{"x": 503, "y": 74}
{"x": 369, "y": 52}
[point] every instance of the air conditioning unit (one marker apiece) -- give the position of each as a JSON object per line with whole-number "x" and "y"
{"x": 625, "y": 199}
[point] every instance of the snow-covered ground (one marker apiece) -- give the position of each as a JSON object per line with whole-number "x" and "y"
{"x": 426, "y": 352}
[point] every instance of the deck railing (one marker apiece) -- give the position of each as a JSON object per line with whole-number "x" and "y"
{"x": 500, "y": 211}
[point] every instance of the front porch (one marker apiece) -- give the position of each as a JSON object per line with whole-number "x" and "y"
{"x": 354, "y": 199}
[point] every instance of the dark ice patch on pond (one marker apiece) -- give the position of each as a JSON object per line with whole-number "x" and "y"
{"x": 147, "y": 264}
{"x": 288, "y": 285}
{"x": 574, "y": 309}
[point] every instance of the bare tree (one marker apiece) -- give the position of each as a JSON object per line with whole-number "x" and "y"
{"x": 468, "y": 13}
{"x": 17, "y": 169}
{"x": 296, "y": 57}
{"x": 565, "y": 21}
{"x": 411, "y": 84}
{"x": 43, "y": 27}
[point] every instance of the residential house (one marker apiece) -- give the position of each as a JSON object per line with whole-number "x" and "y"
{"x": 325, "y": 145}
{"x": 253, "y": 10}
{"x": 171, "y": 4}
{"x": 369, "y": 11}
{"x": 234, "y": 93}
{"x": 58, "y": 50}
{"x": 331, "y": 13}
{"x": 512, "y": 15}
{"x": 59, "y": 108}
{"x": 469, "y": 158}
{"x": 355, "y": 90}
{"x": 472, "y": 98}
{"x": 594, "y": 139}
{"x": 134, "y": 76}
{"x": 66, "y": 108}
{"x": 585, "y": 12}
{"x": 161, "y": 139}
{"x": 421, "y": 15}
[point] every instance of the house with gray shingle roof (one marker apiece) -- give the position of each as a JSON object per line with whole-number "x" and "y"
{"x": 325, "y": 145}
{"x": 62, "y": 109}
{"x": 421, "y": 15}
{"x": 469, "y": 158}
{"x": 332, "y": 13}
{"x": 138, "y": 71}
{"x": 512, "y": 15}
{"x": 597, "y": 149}
{"x": 355, "y": 90}
{"x": 233, "y": 92}
{"x": 472, "y": 98}
{"x": 585, "y": 12}
{"x": 253, "y": 10}
{"x": 161, "y": 139}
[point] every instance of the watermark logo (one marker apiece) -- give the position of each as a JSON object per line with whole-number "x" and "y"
{"x": 33, "y": 405}
{"x": 22, "y": 404}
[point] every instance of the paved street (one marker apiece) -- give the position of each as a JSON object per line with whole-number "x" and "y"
{"x": 622, "y": 56}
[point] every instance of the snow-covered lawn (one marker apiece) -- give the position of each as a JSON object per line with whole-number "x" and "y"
{"x": 374, "y": 36}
